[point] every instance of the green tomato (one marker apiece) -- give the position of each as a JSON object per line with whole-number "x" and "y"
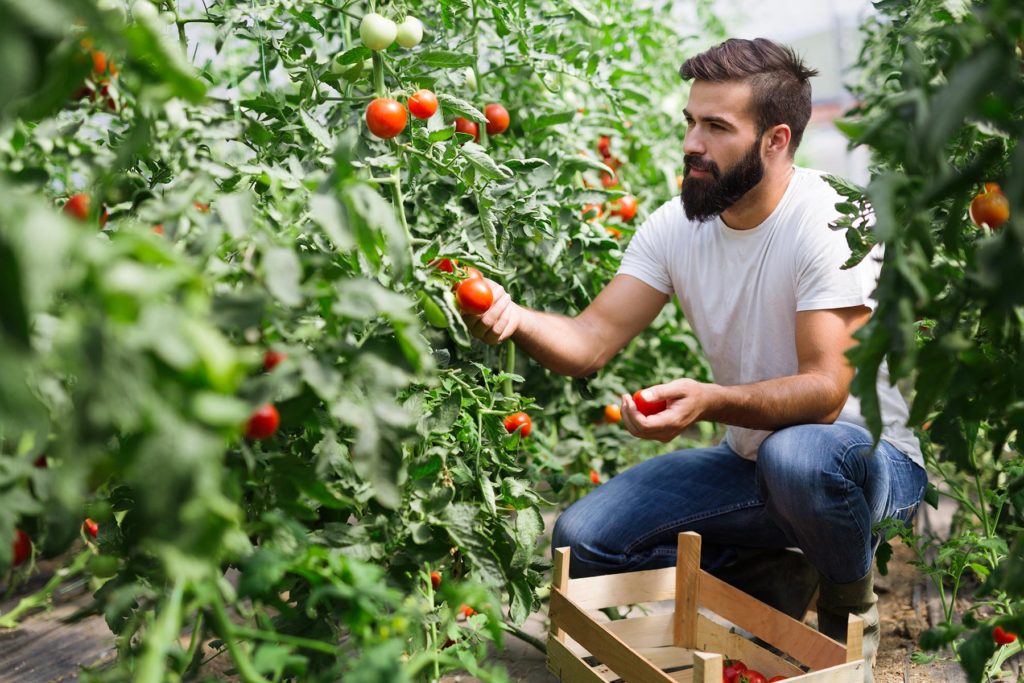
{"x": 377, "y": 32}
{"x": 410, "y": 32}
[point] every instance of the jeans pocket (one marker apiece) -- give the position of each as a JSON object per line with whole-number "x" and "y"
{"x": 906, "y": 514}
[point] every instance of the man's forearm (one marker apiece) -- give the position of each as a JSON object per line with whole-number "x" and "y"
{"x": 776, "y": 403}
{"x": 561, "y": 344}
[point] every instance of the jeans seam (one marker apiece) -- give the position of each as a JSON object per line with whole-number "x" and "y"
{"x": 687, "y": 520}
{"x": 846, "y": 498}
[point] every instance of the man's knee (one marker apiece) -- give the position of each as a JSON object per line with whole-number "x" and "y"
{"x": 790, "y": 458}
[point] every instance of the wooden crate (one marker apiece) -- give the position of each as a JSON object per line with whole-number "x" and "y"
{"x": 683, "y": 645}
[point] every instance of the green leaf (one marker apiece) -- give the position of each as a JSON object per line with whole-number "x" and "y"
{"x": 461, "y": 107}
{"x": 548, "y": 120}
{"x": 329, "y": 215}
{"x": 318, "y": 132}
{"x": 446, "y": 59}
{"x": 477, "y": 156}
{"x": 282, "y": 271}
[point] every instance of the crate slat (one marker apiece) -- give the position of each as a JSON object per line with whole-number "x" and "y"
{"x": 631, "y": 588}
{"x": 570, "y": 668}
{"x": 713, "y": 637}
{"x": 605, "y": 645}
{"x": 654, "y": 630}
{"x": 684, "y": 624}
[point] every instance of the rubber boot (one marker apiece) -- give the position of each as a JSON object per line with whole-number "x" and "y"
{"x": 837, "y": 601}
{"x": 782, "y": 578}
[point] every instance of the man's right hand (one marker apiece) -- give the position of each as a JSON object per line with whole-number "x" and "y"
{"x": 497, "y": 323}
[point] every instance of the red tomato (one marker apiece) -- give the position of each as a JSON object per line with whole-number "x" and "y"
{"x": 773, "y": 679}
{"x": 435, "y": 579}
{"x": 474, "y": 295}
{"x": 599, "y": 211}
{"x": 99, "y": 62}
{"x": 497, "y": 119}
{"x": 732, "y": 669}
{"x": 467, "y": 611}
{"x": 614, "y": 232}
{"x": 612, "y": 413}
{"x": 624, "y": 208}
{"x": 517, "y": 420}
{"x": 604, "y": 146}
{"x": 422, "y": 104}
{"x": 648, "y": 407}
{"x": 990, "y": 207}
{"x": 77, "y": 206}
{"x": 609, "y": 180}
{"x": 1003, "y": 637}
{"x": 158, "y": 228}
{"x": 750, "y": 676}
{"x": 386, "y": 118}
{"x": 468, "y": 127}
{"x": 272, "y": 358}
{"x": 445, "y": 265}
{"x": 91, "y": 527}
{"x": 201, "y": 207}
{"x": 471, "y": 272}
{"x": 263, "y": 422}
{"x": 22, "y": 547}
{"x": 595, "y": 478}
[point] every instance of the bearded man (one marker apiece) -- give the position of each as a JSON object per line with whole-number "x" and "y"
{"x": 749, "y": 254}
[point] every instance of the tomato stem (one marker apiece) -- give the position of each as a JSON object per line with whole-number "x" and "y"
{"x": 223, "y": 627}
{"x": 510, "y": 367}
{"x": 42, "y": 596}
{"x": 166, "y": 627}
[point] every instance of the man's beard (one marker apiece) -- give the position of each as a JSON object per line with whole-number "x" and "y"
{"x": 707, "y": 197}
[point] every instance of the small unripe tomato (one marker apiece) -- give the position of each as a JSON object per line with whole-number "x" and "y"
{"x": 497, "y": 119}
{"x": 612, "y": 413}
{"x": 624, "y": 208}
{"x": 410, "y": 32}
{"x": 377, "y": 32}
{"x": 422, "y": 104}
{"x": 474, "y": 296}
{"x": 648, "y": 407}
{"x": 21, "y": 547}
{"x": 385, "y": 117}
{"x": 468, "y": 127}
{"x": 77, "y": 206}
{"x": 990, "y": 207}
{"x": 517, "y": 420}
{"x": 263, "y": 422}
{"x": 91, "y": 527}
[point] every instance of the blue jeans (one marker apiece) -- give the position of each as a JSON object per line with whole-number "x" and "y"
{"x": 816, "y": 487}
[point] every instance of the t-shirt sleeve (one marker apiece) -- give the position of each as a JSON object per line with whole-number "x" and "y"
{"x": 646, "y": 257}
{"x": 821, "y": 281}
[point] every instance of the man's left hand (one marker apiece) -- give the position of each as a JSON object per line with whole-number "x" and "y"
{"x": 687, "y": 402}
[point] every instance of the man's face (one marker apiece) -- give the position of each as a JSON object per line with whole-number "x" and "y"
{"x": 722, "y": 149}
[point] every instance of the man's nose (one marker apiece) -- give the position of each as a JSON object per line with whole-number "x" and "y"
{"x": 692, "y": 143}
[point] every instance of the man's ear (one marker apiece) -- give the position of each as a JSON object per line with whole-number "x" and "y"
{"x": 777, "y": 140}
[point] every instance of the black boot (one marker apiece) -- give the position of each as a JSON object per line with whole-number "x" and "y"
{"x": 837, "y": 601}
{"x": 782, "y": 578}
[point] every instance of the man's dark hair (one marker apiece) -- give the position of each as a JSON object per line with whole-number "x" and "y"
{"x": 778, "y": 79}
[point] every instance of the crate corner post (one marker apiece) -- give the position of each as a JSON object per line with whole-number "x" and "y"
{"x": 684, "y": 620}
{"x": 707, "y": 667}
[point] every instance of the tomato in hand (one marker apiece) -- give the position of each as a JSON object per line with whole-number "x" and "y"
{"x": 497, "y": 119}
{"x": 474, "y": 295}
{"x": 468, "y": 127}
{"x": 990, "y": 207}
{"x": 624, "y": 208}
{"x": 422, "y": 104}
{"x": 263, "y": 422}
{"x": 1003, "y": 637}
{"x": 649, "y": 407}
{"x": 377, "y": 32}
{"x": 612, "y": 413}
{"x": 517, "y": 420}
{"x": 77, "y": 206}
{"x": 385, "y": 118}
{"x": 91, "y": 527}
{"x": 271, "y": 359}
{"x": 22, "y": 547}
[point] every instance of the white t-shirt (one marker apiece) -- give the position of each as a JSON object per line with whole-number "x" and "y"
{"x": 741, "y": 289}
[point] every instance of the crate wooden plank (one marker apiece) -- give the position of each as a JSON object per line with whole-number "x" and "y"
{"x": 612, "y": 651}
{"x": 560, "y": 580}
{"x": 707, "y": 668}
{"x": 794, "y": 638}
{"x": 667, "y": 657}
{"x": 653, "y": 630}
{"x": 854, "y": 638}
{"x": 851, "y": 672}
{"x": 570, "y": 668}
{"x": 630, "y": 588}
{"x": 684, "y": 624}
{"x": 713, "y": 637}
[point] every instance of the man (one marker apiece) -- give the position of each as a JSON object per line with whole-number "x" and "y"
{"x": 757, "y": 270}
